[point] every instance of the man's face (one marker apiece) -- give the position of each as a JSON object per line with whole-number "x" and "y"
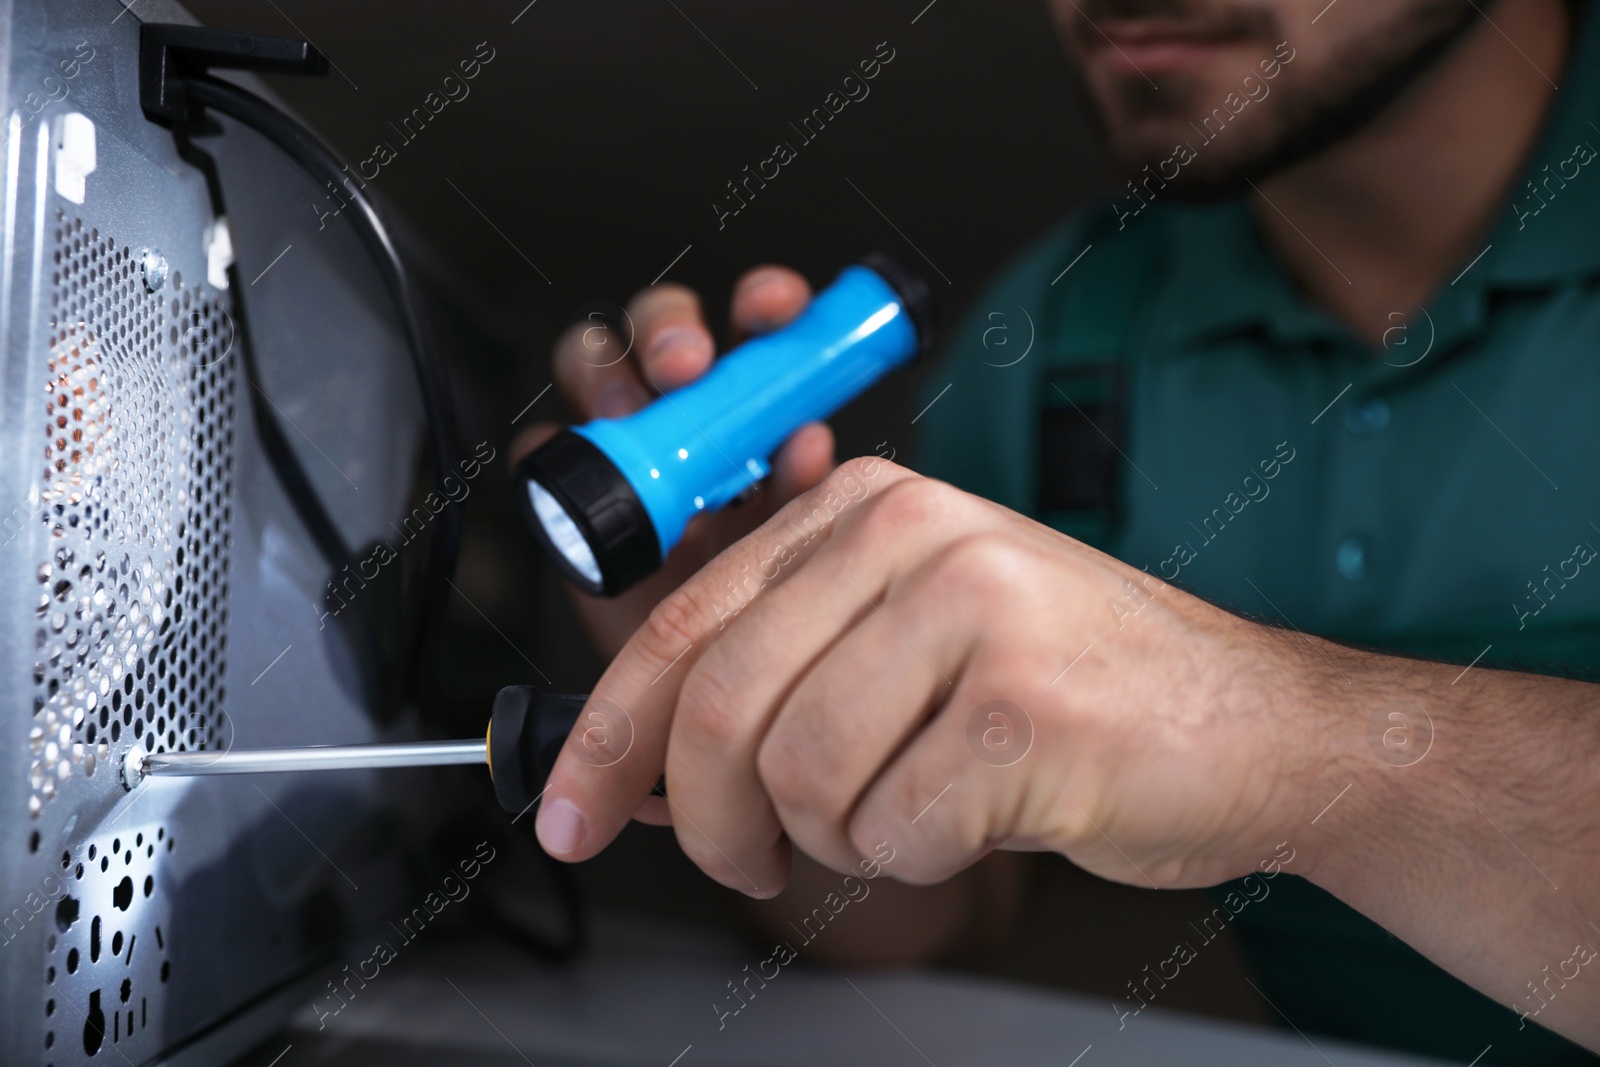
{"x": 1246, "y": 86}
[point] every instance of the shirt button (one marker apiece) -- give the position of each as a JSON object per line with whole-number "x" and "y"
{"x": 1350, "y": 559}
{"x": 1367, "y": 418}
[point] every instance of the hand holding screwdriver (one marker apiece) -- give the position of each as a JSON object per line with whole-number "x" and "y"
{"x": 526, "y": 733}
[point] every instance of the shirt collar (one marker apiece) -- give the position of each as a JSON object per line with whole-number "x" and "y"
{"x": 1225, "y": 280}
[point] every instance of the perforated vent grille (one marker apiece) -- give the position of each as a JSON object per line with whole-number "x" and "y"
{"x": 135, "y": 491}
{"x": 107, "y": 958}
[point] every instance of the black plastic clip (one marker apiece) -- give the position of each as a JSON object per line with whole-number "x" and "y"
{"x": 169, "y": 53}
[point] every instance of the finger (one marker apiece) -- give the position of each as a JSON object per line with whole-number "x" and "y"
{"x": 585, "y": 806}
{"x": 724, "y": 778}
{"x": 860, "y": 703}
{"x": 672, "y": 343}
{"x": 594, "y": 373}
{"x": 653, "y": 811}
{"x": 766, "y": 298}
{"x": 939, "y": 806}
{"x": 803, "y": 461}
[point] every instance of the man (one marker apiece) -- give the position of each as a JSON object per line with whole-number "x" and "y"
{"x": 1324, "y": 365}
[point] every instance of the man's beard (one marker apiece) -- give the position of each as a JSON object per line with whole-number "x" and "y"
{"x": 1306, "y": 119}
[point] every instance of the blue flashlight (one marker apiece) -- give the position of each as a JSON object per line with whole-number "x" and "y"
{"x": 608, "y": 500}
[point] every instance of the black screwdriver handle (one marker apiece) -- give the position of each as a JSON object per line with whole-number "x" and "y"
{"x": 526, "y": 734}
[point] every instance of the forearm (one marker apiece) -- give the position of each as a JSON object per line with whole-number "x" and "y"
{"x": 1471, "y": 823}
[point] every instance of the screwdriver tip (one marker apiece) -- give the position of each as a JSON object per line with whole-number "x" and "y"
{"x": 133, "y": 767}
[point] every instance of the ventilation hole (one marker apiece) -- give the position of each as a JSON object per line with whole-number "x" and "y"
{"x": 116, "y": 943}
{"x": 94, "y": 1025}
{"x": 94, "y": 940}
{"x": 72, "y": 962}
{"x": 66, "y": 913}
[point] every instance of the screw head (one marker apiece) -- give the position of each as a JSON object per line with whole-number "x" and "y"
{"x": 133, "y": 767}
{"x": 153, "y": 267}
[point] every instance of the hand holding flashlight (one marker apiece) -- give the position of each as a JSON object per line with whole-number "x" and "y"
{"x": 601, "y": 373}
{"x": 700, "y": 446}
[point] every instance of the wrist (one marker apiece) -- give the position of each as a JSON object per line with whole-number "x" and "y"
{"x": 1338, "y": 748}
{"x": 1421, "y": 766}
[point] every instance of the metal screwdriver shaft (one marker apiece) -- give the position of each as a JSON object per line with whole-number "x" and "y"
{"x": 322, "y": 758}
{"x": 525, "y": 735}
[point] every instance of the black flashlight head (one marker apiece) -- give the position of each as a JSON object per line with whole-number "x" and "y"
{"x": 915, "y": 296}
{"x": 586, "y": 515}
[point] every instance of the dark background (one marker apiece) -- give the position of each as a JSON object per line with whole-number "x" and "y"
{"x": 586, "y": 157}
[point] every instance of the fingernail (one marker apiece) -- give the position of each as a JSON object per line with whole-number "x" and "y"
{"x": 678, "y": 339}
{"x": 619, "y": 399}
{"x": 560, "y": 826}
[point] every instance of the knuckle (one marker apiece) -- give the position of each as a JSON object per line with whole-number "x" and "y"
{"x": 912, "y": 502}
{"x": 672, "y": 625}
{"x": 710, "y": 715}
{"x": 850, "y": 481}
{"x": 855, "y": 471}
{"x": 983, "y": 562}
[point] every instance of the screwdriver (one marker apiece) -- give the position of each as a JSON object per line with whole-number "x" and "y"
{"x": 527, "y": 730}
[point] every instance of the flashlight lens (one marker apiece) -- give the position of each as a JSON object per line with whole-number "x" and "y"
{"x": 564, "y": 533}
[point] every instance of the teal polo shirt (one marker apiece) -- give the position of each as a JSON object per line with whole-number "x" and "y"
{"x": 1158, "y": 387}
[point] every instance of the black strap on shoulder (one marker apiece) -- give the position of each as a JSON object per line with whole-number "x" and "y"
{"x": 1082, "y": 394}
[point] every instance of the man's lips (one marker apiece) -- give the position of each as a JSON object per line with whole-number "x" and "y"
{"x": 1141, "y": 47}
